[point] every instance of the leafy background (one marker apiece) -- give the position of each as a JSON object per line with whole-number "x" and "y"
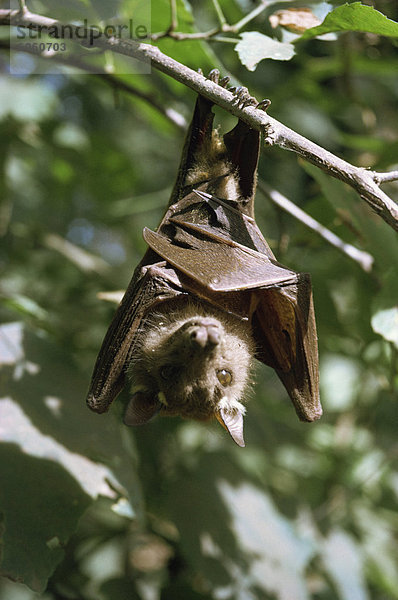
{"x": 92, "y": 510}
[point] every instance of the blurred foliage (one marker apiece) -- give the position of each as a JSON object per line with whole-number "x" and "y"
{"x": 93, "y": 511}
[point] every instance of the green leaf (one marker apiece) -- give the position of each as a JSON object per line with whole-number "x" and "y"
{"x": 29, "y": 100}
{"x": 55, "y": 457}
{"x": 254, "y": 46}
{"x": 354, "y": 17}
{"x": 37, "y": 518}
{"x": 25, "y": 306}
{"x": 385, "y": 323}
{"x": 279, "y": 556}
{"x": 379, "y": 545}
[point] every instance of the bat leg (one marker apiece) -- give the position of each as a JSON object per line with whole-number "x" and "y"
{"x": 199, "y": 136}
{"x": 243, "y": 147}
{"x": 163, "y": 271}
{"x": 153, "y": 268}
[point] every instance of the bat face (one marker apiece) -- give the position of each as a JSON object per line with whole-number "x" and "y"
{"x": 208, "y": 297}
{"x": 192, "y": 360}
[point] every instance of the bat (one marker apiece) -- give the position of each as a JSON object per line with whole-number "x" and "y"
{"x": 208, "y": 297}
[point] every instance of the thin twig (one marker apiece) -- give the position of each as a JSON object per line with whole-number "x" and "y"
{"x": 384, "y": 177}
{"x": 249, "y": 17}
{"x": 173, "y": 15}
{"x": 362, "y": 180}
{"x": 220, "y": 15}
{"x": 223, "y": 27}
{"x": 182, "y": 36}
{"x": 364, "y": 259}
{"x": 22, "y": 6}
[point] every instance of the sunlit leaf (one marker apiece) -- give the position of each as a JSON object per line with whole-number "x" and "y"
{"x": 294, "y": 19}
{"x": 16, "y": 427}
{"x": 26, "y": 99}
{"x": 37, "y": 518}
{"x": 379, "y": 545}
{"x": 340, "y": 378}
{"x": 277, "y": 555}
{"x": 354, "y": 17}
{"x": 54, "y": 451}
{"x": 385, "y": 322}
{"x": 25, "y": 306}
{"x": 344, "y": 562}
{"x": 255, "y": 46}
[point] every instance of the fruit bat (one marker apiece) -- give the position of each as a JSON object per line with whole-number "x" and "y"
{"x": 208, "y": 296}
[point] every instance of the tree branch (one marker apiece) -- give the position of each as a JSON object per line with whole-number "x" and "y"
{"x": 364, "y": 181}
{"x": 364, "y": 259}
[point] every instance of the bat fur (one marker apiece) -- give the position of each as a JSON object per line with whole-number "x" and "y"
{"x": 208, "y": 297}
{"x": 192, "y": 357}
{"x": 212, "y": 166}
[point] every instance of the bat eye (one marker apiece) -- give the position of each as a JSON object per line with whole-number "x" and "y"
{"x": 224, "y": 377}
{"x": 167, "y": 372}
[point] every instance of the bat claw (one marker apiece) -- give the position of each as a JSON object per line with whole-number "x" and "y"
{"x": 214, "y": 75}
{"x": 224, "y": 81}
{"x": 264, "y": 104}
{"x": 243, "y": 97}
{"x": 269, "y": 135}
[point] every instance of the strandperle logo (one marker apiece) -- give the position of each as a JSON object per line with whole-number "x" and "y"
{"x": 87, "y": 32}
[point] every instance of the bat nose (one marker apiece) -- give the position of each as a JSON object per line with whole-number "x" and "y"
{"x": 206, "y": 331}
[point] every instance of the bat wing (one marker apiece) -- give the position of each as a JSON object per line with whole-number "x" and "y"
{"x": 220, "y": 267}
{"x": 285, "y": 331}
{"x": 282, "y": 311}
{"x": 149, "y": 286}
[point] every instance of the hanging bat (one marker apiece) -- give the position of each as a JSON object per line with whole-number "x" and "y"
{"x": 207, "y": 297}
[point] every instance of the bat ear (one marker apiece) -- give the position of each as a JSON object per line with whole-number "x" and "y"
{"x": 143, "y": 407}
{"x": 233, "y": 423}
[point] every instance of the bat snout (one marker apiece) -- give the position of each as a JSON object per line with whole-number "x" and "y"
{"x": 205, "y": 331}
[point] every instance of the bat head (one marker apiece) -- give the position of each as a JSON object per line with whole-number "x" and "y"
{"x": 192, "y": 361}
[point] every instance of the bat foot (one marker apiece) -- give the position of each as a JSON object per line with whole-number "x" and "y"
{"x": 243, "y": 97}
{"x": 224, "y": 81}
{"x": 269, "y": 135}
{"x": 214, "y": 76}
{"x": 264, "y": 104}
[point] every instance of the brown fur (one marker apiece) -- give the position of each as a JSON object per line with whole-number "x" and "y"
{"x": 168, "y": 344}
{"x": 211, "y": 164}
